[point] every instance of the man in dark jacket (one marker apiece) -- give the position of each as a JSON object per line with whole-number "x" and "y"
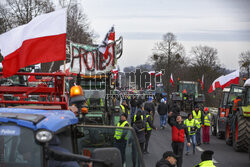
{"x": 179, "y": 130}
{"x": 139, "y": 127}
{"x": 149, "y": 127}
{"x": 162, "y": 111}
{"x": 149, "y": 106}
{"x": 168, "y": 160}
{"x": 175, "y": 109}
{"x": 133, "y": 103}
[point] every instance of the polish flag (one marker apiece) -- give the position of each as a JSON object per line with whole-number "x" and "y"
{"x": 151, "y": 72}
{"x": 104, "y": 47}
{"x": 202, "y": 82}
{"x": 171, "y": 79}
{"x": 158, "y": 74}
{"x": 225, "y": 81}
{"x": 42, "y": 40}
{"x": 150, "y": 86}
{"x": 115, "y": 72}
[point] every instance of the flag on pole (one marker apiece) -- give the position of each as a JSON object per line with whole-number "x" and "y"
{"x": 171, "y": 79}
{"x": 150, "y": 86}
{"x": 42, "y": 40}
{"x": 158, "y": 74}
{"x": 202, "y": 82}
{"x": 225, "y": 81}
{"x": 110, "y": 37}
{"x": 115, "y": 72}
{"x": 151, "y": 72}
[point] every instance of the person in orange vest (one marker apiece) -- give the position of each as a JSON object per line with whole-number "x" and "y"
{"x": 237, "y": 102}
{"x": 179, "y": 130}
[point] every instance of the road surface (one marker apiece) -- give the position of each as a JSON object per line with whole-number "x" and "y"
{"x": 224, "y": 155}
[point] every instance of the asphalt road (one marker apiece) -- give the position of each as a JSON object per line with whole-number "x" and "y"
{"x": 224, "y": 155}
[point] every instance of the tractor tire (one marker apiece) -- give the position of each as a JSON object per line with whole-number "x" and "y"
{"x": 228, "y": 134}
{"x": 241, "y": 133}
{"x": 219, "y": 134}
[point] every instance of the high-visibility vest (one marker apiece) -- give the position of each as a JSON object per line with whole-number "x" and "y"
{"x": 101, "y": 103}
{"x": 119, "y": 132}
{"x": 123, "y": 108}
{"x": 191, "y": 124}
{"x": 197, "y": 116}
{"x": 147, "y": 124}
{"x": 135, "y": 118}
{"x": 208, "y": 163}
{"x": 236, "y": 104}
{"x": 207, "y": 121}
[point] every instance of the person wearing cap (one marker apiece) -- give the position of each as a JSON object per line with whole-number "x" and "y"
{"x": 168, "y": 160}
{"x": 198, "y": 115}
{"x": 206, "y": 159}
{"x": 206, "y": 123}
{"x": 121, "y": 136}
{"x": 162, "y": 110}
{"x": 149, "y": 127}
{"x": 179, "y": 130}
{"x": 192, "y": 125}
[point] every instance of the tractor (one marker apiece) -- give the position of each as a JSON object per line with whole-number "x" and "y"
{"x": 232, "y": 123}
{"x": 45, "y": 132}
{"x": 187, "y": 96}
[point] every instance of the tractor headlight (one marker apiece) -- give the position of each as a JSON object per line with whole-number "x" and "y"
{"x": 43, "y": 136}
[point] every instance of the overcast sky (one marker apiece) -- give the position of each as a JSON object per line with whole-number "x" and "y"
{"x": 222, "y": 24}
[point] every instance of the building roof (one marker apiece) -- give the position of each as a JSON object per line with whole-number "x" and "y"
{"x": 52, "y": 120}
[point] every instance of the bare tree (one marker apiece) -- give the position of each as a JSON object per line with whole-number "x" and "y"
{"x": 244, "y": 62}
{"x": 205, "y": 62}
{"x": 168, "y": 55}
{"x": 14, "y": 13}
{"x": 78, "y": 29}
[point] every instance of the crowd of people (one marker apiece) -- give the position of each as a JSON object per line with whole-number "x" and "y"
{"x": 183, "y": 131}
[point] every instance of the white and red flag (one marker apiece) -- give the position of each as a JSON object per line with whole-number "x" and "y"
{"x": 225, "y": 81}
{"x": 42, "y": 40}
{"x": 115, "y": 72}
{"x": 104, "y": 47}
{"x": 202, "y": 82}
{"x": 171, "y": 79}
{"x": 150, "y": 86}
{"x": 151, "y": 72}
{"x": 158, "y": 74}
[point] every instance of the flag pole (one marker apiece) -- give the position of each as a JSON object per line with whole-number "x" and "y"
{"x": 64, "y": 62}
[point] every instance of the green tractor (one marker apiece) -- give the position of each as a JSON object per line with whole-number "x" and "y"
{"x": 187, "y": 96}
{"x": 239, "y": 120}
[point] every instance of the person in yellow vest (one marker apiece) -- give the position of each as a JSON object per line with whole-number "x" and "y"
{"x": 124, "y": 107}
{"x": 192, "y": 126}
{"x": 206, "y": 159}
{"x": 198, "y": 115}
{"x": 206, "y": 123}
{"x": 149, "y": 127}
{"x": 121, "y": 135}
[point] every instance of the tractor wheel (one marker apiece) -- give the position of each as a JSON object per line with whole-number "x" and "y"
{"x": 241, "y": 133}
{"x": 228, "y": 134}
{"x": 219, "y": 134}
